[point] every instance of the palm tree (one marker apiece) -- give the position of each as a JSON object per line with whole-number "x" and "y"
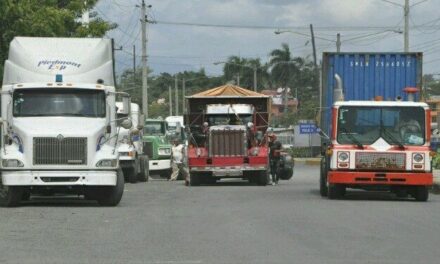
{"x": 284, "y": 68}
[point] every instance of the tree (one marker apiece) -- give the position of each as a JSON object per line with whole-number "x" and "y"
{"x": 46, "y": 18}
{"x": 284, "y": 67}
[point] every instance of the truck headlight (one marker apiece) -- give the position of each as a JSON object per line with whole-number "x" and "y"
{"x": 343, "y": 156}
{"x": 10, "y": 163}
{"x": 107, "y": 163}
{"x": 418, "y": 157}
{"x": 164, "y": 151}
{"x": 127, "y": 154}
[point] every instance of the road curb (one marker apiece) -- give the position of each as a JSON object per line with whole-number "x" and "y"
{"x": 308, "y": 161}
{"x": 436, "y": 186}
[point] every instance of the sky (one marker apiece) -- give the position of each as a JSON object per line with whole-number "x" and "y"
{"x": 195, "y": 34}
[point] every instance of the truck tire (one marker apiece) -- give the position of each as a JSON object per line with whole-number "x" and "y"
{"x": 130, "y": 174}
{"x": 143, "y": 169}
{"x": 263, "y": 178}
{"x": 335, "y": 191}
{"x": 112, "y": 195}
{"x": 194, "y": 179}
{"x": 323, "y": 188}
{"x": 10, "y": 196}
{"x": 421, "y": 193}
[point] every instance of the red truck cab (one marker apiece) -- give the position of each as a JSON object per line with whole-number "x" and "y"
{"x": 378, "y": 145}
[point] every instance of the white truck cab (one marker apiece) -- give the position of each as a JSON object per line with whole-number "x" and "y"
{"x": 58, "y": 120}
{"x": 133, "y": 162}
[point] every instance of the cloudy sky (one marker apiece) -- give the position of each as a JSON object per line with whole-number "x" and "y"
{"x": 193, "y": 34}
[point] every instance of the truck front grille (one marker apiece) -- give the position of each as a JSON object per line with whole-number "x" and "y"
{"x": 227, "y": 142}
{"x": 148, "y": 149}
{"x": 55, "y": 151}
{"x": 380, "y": 161}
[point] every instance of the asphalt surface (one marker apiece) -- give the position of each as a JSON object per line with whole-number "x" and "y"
{"x": 166, "y": 222}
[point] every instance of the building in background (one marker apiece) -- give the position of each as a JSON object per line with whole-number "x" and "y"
{"x": 278, "y": 102}
{"x": 434, "y": 105}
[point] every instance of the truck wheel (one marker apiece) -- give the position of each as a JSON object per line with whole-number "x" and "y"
{"x": 263, "y": 178}
{"x": 112, "y": 195}
{"x": 130, "y": 174}
{"x": 143, "y": 169}
{"x": 194, "y": 179}
{"x": 323, "y": 188}
{"x": 421, "y": 193}
{"x": 335, "y": 191}
{"x": 10, "y": 196}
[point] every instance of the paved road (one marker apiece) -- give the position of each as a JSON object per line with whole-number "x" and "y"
{"x": 163, "y": 222}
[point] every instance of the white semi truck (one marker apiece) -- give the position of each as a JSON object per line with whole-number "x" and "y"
{"x": 133, "y": 162}
{"x": 58, "y": 120}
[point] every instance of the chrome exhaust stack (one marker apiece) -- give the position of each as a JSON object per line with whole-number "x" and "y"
{"x": 338, "y": 93}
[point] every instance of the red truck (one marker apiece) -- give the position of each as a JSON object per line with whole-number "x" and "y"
{"x": 226, "y": 128}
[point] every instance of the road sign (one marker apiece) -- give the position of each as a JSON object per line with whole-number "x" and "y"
{"x": 307, "y": 128}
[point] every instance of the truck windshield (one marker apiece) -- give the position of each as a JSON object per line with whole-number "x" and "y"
{"x": 58, "y": 102}
{"x": 396, "y": 125}
{"x": 231, "y": 119}
{"x": 156, "y": 128}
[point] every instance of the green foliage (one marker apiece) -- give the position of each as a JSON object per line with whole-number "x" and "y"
{"x": 158, "y": 110}
{"x": 45, "y": 18}
{"x": 436, "y": 160}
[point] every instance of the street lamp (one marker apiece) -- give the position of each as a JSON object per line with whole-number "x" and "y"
{"x": 254, "y": 68}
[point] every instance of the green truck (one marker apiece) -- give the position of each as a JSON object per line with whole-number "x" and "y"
{"x": 157, "y": 146}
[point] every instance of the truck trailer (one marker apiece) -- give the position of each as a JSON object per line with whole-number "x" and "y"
{"x": 378, "y": 134}
{"x": 226, "y": 129}
{"x": 58, "y": 120}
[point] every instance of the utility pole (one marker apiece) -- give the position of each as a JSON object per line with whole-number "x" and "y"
{"x": 85, "y": 19}
{"x": 406, "y": 31}
{"x": 134, "y": 66}
{"x": 313, "y": 45}
{"x": 255, "y": 78}
{"x": 170, "y": 100}
{"x": 176, "y": 95}
{"x": 183, "y": 95}
{"x": 144, "y": 21}
{"x": 338, "y": 43}
{"x": 238, "y": 78}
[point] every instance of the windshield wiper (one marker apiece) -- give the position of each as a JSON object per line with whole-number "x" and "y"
{"x": 390, "y": 136}
{"x": 352, "y": 138}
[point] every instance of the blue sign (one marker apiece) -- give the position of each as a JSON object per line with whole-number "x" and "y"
{"x": 305, "y": 128}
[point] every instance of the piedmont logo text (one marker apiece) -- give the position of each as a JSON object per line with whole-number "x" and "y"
{"x": 58, "y": 64}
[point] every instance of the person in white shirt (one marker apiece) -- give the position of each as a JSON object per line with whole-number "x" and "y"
{"x": 177, "y": 161}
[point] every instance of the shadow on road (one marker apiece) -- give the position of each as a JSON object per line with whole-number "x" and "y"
{"x": 59, "y": 201}
{"x": 357, "y": 195}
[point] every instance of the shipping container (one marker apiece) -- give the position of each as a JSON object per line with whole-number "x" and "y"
{"x": 366, "y": 75}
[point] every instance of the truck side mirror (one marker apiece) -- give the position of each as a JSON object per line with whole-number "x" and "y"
{"x": 126, "y": 103}
{"x": 126, "y": 123}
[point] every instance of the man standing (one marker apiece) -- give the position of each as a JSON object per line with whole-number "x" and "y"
{"x": 177, "y": 162}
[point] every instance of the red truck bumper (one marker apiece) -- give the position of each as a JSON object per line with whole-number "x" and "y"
{"x": 380, "y": 178}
